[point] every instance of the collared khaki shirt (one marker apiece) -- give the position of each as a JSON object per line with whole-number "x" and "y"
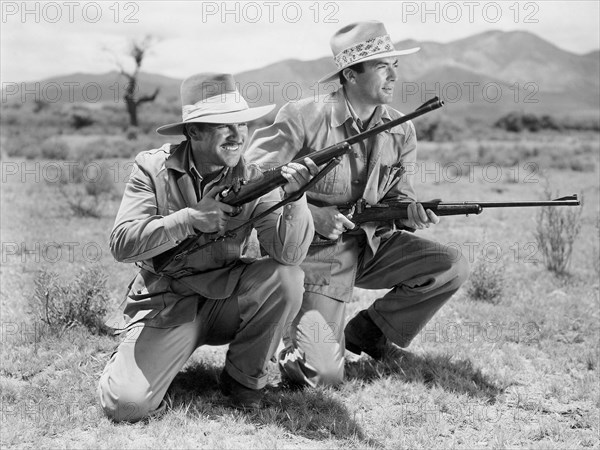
{"x": 154, "y": 217}
{"x": 378, "y": 169}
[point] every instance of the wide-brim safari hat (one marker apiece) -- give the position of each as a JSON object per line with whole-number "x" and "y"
{"x": 359, "y": 42}
{"x": 212, "y": 98}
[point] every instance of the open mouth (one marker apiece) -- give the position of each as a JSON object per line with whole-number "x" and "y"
{"x": 231, "y": 147}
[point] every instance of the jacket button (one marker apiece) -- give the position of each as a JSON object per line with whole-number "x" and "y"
{"x": 289, "y": 217}
{"x": 356, "y": 182}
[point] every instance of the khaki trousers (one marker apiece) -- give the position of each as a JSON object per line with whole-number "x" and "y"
{"x": 252, "y": 321}
{"x": 421, "y": 275}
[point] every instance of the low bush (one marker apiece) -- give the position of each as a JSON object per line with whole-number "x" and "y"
{"x": 439, "y": 129}
{"x": 556, "y": 232}
{"x": 61, "y": 304}
{"x": 54, "y": 148}
{"x": 518, "y": 122}
{"x": 486, "y": 281}
{"x": 86, "y": 187}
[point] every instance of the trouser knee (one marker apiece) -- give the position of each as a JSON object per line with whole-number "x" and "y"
{"x": 126, "y": 403}
{"x": 457, "y": 266}
{"x": 290, "y": 285}
{"x": 461, "y": 270}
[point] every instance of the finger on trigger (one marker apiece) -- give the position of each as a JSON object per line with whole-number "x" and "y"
{"x": 346, "y": 222}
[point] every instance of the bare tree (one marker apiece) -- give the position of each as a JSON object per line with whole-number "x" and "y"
{"x": 138, "y": 50}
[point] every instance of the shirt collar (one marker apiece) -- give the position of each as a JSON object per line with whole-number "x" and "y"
{"x": 182, "y": 161}
{"x": 343, "y": 111}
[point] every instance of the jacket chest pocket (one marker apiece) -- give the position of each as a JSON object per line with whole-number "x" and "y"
{"x": 388, "y": 177}
{"x": 334, "y": 182}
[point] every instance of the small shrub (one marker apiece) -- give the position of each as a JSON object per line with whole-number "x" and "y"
{"x": 486, "y": 282}
{"x": 439, "y": 130}
{"x": 87, "y": 187}
{"x": 102, "y": 184}
{"x": 20, "y": 145}
{"x": 104, "y": 148}
{"x": 79, "y": 120}
{"x": 54, "y": 148}
{"x": 61, "y": 305}
{"x": 40, "y": 105}
{"x": 517, "y": 122}
{"x": 556, "y": 231}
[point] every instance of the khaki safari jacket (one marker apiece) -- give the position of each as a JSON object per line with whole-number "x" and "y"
{"x": 379, "y": 169}
{"x": 154, "y": 217}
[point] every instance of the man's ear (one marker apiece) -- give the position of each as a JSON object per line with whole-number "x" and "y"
{"x": 193, "y": 131}
{"x": 349, "y": 74}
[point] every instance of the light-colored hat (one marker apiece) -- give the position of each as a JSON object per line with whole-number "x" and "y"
{"x": 361, "y": 41}
{"x": 212, "y": 98}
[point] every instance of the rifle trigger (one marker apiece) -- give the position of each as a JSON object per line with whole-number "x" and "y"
{"x": 360, "y": 205}
{"x": 351, "y": 212}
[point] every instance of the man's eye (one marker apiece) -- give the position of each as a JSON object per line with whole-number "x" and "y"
{"x": 243, "y": 124}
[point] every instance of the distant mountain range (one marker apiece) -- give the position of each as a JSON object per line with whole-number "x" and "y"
{"x": 485, "y": 75}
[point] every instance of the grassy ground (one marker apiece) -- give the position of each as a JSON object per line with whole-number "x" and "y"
{"x": 519, "y": 373}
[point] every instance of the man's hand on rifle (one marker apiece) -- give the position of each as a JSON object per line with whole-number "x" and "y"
{"x": 329, "y": 221}
{"x": 210, "y": 215}
{"x": 297, "y": 175}
{"x": 418, "y": 217}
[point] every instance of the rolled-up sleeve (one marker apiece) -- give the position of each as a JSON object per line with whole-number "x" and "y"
{"x": 139, "y": 232}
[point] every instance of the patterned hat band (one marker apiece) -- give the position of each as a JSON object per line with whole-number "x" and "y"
{"x": 373, "y": 46}
{"x": 222, "y": 103}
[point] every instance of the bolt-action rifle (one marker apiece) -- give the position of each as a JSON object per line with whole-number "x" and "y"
{"x": 361, "y": 212}
{"x": 242, "y": 191}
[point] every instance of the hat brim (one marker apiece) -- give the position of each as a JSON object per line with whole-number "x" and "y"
{"x": 332, "y": 75}
{"x": 247, "y": 115}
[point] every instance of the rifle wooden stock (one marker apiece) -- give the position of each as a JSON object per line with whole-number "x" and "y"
{"x": 399, "y": 210}
{"x": 272, "y": 178}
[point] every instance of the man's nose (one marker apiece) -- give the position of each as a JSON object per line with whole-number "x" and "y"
{"x": 235, "y": 131}
{"x": 392, "y": 73}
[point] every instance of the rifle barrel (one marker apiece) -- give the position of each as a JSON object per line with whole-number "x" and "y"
{"x": 570, "y": 200}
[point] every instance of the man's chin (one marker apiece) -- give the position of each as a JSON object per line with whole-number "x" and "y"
{"x": 232, "y": 161}
{"x": 388, "y": 98}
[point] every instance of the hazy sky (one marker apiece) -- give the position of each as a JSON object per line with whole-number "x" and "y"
{"x": 44, "y": 39}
